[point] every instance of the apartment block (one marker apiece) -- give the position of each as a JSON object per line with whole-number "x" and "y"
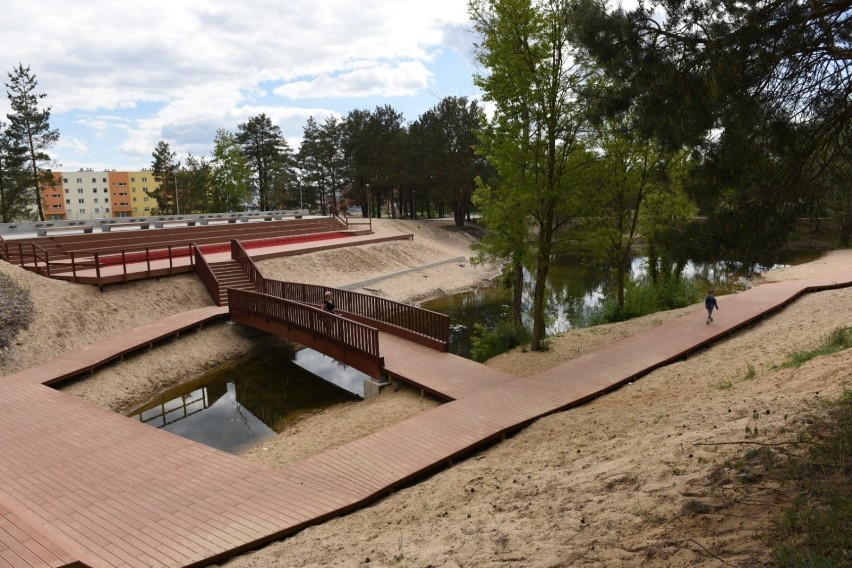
{"x": 88, "y": 194}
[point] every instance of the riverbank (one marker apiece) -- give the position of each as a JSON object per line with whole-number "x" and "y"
{"x": 614, "y": 482}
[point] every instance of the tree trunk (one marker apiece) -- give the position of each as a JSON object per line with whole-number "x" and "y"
{"x": 545, "y": 244}
{"x": 517, "y": 290}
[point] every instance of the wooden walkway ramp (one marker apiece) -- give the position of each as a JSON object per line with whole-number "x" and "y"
{"x": 84, "y": 485}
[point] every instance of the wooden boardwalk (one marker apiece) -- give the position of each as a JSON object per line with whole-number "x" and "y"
{"x": 82, "y": 486}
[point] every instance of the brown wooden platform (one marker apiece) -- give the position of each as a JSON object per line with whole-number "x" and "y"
{"x": 80, "y": 483}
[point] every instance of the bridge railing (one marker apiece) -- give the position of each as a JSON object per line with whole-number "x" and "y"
{"x": 347, "y": 341}
{"x": 239, "y": 254}
{"x": 415, "y": 324}
{"x": 205, "y": 273}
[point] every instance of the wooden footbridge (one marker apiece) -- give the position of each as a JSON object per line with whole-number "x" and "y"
{"x": 83, "y": 486}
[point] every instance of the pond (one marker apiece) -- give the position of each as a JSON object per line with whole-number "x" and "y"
{"x": 244, "y": 404}
{"x": 573, "y": 287}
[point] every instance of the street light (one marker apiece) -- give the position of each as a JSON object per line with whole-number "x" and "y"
{"x": 177, "y": 199}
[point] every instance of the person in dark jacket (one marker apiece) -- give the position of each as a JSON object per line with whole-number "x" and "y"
{"x": 710, "y": 303}
{"x": 328, "y": 303}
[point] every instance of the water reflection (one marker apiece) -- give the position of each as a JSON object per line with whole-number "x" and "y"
{"x": 573, "y": 288}
{"x": 239, "y": 406}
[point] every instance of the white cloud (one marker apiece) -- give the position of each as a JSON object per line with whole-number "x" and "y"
{"x": 179, "y": 70}
{"x": 377, "y": 79}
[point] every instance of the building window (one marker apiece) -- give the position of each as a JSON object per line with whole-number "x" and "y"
{"x": 147, "y": 209}
{"x": 79, "y": 190}
{"x": 96, "y": 199}
{"x": 133, "y": 180}
{"x": 79, "y": 180}
{"x": 95, "y": 190}
{"x": 134, "y": 199}
{"x": 97, "y": 210}
{"x": 67, "y": 190}
{"x": 145, "y": 180}
{"x": 145, "y": 199}
{"x": 81, "y": 201}
{"x": 106, "y": 190}
{"x": 94, "y": 180}
{"x": 68, "y": 201}
{"x": 81, "y": 211}
{"x": 105, "y": 180}
{"x": 64, "y": 180}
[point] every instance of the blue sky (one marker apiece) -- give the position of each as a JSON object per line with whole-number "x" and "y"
{"x": 120, "y": 76}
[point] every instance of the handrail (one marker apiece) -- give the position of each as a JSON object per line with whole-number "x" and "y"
{"x": 417, "y": 324}
{"x": 208, "y": 277}
{"x": 80, "y": 260}
{"x": 44, "y": 255}
{"x": 414, "y": 323}
{"x": 346, "y": 340}
{"x": 239, "y": 254}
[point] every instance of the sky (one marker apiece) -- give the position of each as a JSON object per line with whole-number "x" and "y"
{"x": 120, "y": 76}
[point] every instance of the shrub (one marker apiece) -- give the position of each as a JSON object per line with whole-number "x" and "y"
{"x": 505, "y": 336}
{"x": 16, "y": 310}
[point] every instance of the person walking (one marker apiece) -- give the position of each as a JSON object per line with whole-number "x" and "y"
{"x": 328, "y": 302}
{"x": 710, "y": 303}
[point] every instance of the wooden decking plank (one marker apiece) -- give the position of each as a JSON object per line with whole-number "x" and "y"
{"x": 346, "y": 483}
{"x": 300, "y": 495}
{"x": 164, "y": 500}
{"x": 367, "y": 464}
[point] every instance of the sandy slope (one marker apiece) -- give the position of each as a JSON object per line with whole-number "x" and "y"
{"x": 626, "y": 480}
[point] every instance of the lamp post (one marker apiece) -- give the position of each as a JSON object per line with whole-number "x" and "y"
{"x": 177, "y": 199}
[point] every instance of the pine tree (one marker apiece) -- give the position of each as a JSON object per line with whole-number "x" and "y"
{"x": 29, "y": 126}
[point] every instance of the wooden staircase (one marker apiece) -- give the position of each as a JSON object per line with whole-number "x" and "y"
{"x": 229, "y": 275}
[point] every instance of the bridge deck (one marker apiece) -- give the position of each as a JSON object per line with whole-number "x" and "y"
{"x": 92, "y": 486}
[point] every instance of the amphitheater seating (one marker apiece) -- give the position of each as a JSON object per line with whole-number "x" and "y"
{"x": 209, "y": 238}
{"x": 160, "y": 238}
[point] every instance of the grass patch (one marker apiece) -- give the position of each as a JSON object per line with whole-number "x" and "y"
{"x": 817, "y": 530}
{"x": 722, "y": 385}
{"x": 835, "y": 341}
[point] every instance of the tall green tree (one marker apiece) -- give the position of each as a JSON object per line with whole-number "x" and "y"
{"x": 230, "y": 189}
{"x": 269, "y": 157}
{"x": 195, "y": 183}
{"x": 15, "y": 195}
{"x": 760, "y": 89}
{"x": 374, "y": 149}
{"x": 29, "y": 127}
{"x": 633, "y": 191}
{"x": 449, "y": 133}
{"x": 165, "y": 167}
{"x": 321, "y": 162}
{"x": 533, "y": 82}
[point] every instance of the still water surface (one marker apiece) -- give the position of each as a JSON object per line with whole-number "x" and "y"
{"x": 573, "y": 288}
{"x": 242, "y": 405}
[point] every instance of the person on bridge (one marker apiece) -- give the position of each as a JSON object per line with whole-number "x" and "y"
{"x": 328, "y": 302}
{"x": 710, "y": 303}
